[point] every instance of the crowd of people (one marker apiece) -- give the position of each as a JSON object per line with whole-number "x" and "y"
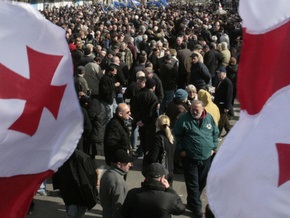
{"x": 172, "y": 69}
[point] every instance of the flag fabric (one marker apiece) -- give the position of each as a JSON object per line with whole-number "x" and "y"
{"x": 133, "y": 4}
{"x": 40, "y": 117}
{"x": 250, "y": 174}
{"x": 157, "y": 3}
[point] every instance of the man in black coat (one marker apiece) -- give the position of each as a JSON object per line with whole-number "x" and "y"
{"x": 117, "y": 134}
{"x": 107, "y": 93}
{"x": 168, "y": 76}
{"x": 155, "y": 199}
{"x": 149, "y": 72}
{"x": 209, "y": 61}
{"x": 144, "y": 111}
{"x": 199, "y": 75}
{"x": 77, "y": 181}
{"x": 223, "y": 99}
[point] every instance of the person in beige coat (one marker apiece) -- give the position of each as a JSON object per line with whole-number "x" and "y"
{"x": 225, "y": 55}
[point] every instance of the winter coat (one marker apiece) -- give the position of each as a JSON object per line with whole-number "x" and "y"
{"x": 117, "y": 136}
{"x": 174, "y": 110}
{"x": 197, "y": 137}
{"x": 199, "y": 76}
{"x": 162, "y": 151}
{"x": 113, "y": 191}
{"x": 152, "y": 200}
{"x": 77, "y": 180}
{"x": 107, "y": 89}
{"x": 144, "y": 106}
{"x": 224, "y": 94}
{"x": 168, "y": 74}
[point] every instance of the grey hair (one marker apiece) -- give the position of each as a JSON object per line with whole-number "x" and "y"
{"x": 197, "y": 102}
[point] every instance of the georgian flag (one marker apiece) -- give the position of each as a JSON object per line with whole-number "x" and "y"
{"x": 250, "y": 174}
{"x": 40, "y": 117}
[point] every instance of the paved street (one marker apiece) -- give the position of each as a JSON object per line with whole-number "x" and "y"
{"x": 53, "y": 207}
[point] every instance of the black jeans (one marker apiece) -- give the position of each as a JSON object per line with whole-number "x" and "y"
{"x": 195, "y": 174}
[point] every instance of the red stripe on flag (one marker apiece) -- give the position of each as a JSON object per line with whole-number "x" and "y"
{"x": 17, "y": 192}
{"x": 264, "y": 67}
{"x": 284, "y": 162}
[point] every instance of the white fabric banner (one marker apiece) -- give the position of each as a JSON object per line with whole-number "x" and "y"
{"x": 250, "y": 174}
{"x": 41, "y": 121}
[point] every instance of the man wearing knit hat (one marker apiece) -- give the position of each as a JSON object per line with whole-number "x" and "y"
{"x": 174, "y": 110}
{"x": 181, "y": 94}
{"x": 155, "y": 198}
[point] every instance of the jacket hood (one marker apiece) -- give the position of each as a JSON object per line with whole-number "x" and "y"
{"x": 204, "y": 96}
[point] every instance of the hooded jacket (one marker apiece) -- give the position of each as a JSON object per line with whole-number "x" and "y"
{"x": 209, "y": 106}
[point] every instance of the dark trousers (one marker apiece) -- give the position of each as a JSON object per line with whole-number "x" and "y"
{"x": 168, "y": 97}
{"x": 224, "y": 123}
{"x": 146, "y": 134}
{"x": 195, "y": 174}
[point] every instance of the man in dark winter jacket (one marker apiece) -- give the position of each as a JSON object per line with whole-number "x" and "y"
{"x": 107, "y": 91}
{"x": 77, "y": 180}
{"x": 117, "y": 135}
{"x": 223, "y": 99}
{"x": 155, "y": 199}
{"x": 168, "y": 75}
{"x": 144, "y": 110}
{"x": 199, "y": 76}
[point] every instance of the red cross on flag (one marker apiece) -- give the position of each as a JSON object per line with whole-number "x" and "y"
{"x": 250, "y": 175}
{"x": 40, "y": 118}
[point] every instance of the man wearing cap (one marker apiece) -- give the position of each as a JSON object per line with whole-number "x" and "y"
{"x": 113, "y": 189}
{"x": 197, "y": 138}
{"x": 223, "y": 99}
{"x": 81, "y": 84}
{"x": 199, "y": 75}
{"x": 155, "y": 198}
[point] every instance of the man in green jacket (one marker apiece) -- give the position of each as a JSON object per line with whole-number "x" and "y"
{"x": 197, "y": 139}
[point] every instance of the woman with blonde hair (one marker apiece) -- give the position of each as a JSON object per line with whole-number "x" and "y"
{"x": 162, "y": 151}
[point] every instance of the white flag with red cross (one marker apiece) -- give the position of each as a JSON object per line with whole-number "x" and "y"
{"x": 250, "y": 175}
{"x": 40, "y": 118}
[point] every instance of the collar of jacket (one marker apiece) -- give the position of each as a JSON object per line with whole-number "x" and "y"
{"x": 153, "y": 184}
{"x": 118, "y": 170}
